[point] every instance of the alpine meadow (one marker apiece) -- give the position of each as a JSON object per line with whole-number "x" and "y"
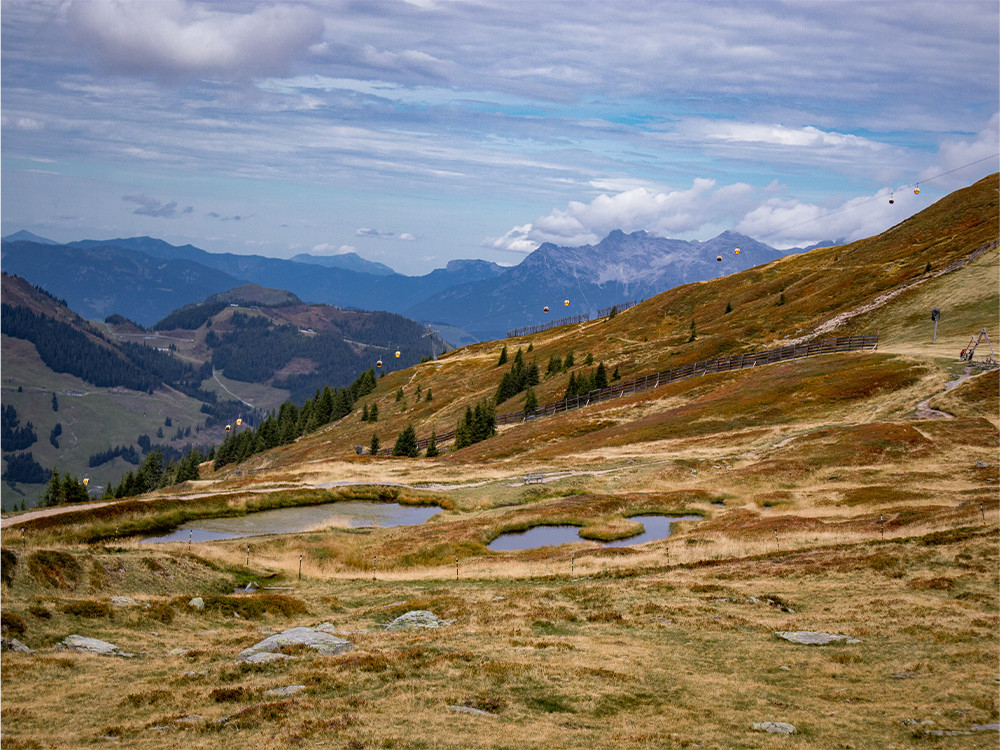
{"x": 823, "y": 431}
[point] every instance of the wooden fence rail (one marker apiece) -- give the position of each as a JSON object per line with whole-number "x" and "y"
{"x": 654, "y": 380}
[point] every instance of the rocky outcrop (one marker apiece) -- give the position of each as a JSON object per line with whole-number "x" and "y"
{"x": 810, "y": 638}
{"x": 271, "y": 647}
{"x": 85, "y": 645}
{"x": 417, "y": 618}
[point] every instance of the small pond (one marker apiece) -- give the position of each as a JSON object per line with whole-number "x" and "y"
{"x": 657, "y": 527}
{"x": 351, "y": 514}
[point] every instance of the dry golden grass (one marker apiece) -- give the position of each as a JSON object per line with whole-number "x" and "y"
{"x": 829, "y": 502}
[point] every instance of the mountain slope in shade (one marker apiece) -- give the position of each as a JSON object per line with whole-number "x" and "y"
{"x": 103, "y": 279}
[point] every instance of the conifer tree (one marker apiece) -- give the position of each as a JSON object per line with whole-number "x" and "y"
{"x": 406, "y": 443}
{"x": 432, "y": 449}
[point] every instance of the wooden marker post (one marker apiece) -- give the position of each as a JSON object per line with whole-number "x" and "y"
{"x": 881, "y": 524}
{"x": 374, "y": 561}
{"x": 456, "y": 568}
{"x": 248, "y": 555}
{"x": 300, "y": 567}
{"x": 572, "y": 562}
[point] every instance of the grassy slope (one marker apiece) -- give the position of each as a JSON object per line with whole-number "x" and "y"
{"x": 827, "y": 505}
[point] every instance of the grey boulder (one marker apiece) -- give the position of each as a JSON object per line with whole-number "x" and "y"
{"x": 319, "y": 641}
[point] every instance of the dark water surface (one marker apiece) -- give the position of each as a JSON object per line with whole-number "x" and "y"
{"x": 657, "y": 527}
{"x": 351, "y": 514}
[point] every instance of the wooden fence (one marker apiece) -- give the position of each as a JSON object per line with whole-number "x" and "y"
{"x": 581, "y": 318}
{"x": 654, "y": 380}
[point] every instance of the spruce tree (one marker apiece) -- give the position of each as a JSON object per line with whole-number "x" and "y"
{"x": 406, "y": 443}
{"x": 374, "y": 446}
{"x": 432, "y": 448}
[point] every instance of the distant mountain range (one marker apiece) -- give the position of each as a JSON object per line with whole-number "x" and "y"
{"x": 144, "y": 279}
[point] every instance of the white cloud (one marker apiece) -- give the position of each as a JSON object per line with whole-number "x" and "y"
{"x": 176, "y": 38}
{"x": 666, "y": 214}
{"x": 779, "y": 135}
{"x": 325, "y": 248}
{"x": 383, "y": 235}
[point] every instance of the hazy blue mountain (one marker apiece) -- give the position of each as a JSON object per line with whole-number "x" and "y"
{"x": 24, "y": 234}
{"x": 347, "y": 261}
{"x": 619, "y": 268}
{"x": 103, "y": 279}
{"x": 317, "y": 283}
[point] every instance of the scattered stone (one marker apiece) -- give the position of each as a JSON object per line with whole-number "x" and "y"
{"x": 124, "y": 601}
{"x": 785, "y": 668}
{"x": 981, "y": 464}
{"x": 946, "y": 732}
{"x": 359, "y": 449}
{"x": 13, "y": 644}
{"x": 498, "y": 598}
{"x": 177, "y": 652}
{"x": 470, "y": 710}
{"x": 810, "y": 638}
{"x": 189, "y": 719}
{"x": 986, "y": 728}
{"x": 753, "y": 600}
{"x": 774, "y": 727}
{"x": 321, "y": 642}
{"x": 85, "y": 645}
{"x": 197, "y": 603}
{"x": 286, "y": 690}
{"x": 417, "y": 618}
{"x": 326, "y": 627}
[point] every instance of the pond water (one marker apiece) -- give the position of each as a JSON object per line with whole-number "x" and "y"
{"x": 657, "y": 527}
{"x": 351, "y": 514}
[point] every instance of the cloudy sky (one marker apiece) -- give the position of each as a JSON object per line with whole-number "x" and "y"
{"x": 417, "y": 132}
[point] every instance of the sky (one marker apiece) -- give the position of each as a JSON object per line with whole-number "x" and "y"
{"x": 417, "y": 132}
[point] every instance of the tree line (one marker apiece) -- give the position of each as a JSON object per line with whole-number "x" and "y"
{"x": 14, "y": 436}
{"x": 290, "y": 421}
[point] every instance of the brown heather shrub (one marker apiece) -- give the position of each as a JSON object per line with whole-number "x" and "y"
{"x": 229, "y": 695}
{"x": 54, "y": 568}
{"x": 11, "y": 623}
{"x": 941, "y": 583}
{"x": 8, "y": 565}
{"x": 37, "y": 610}
{"x": 88, "y": 608}
{"x": 255, "y": 606}
{"x": 161, "y": 612}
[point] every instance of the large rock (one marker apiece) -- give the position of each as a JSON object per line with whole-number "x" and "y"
{"x": 85, "y": 645}
{"x": 774, "y": 727}
{"x": 417, "y": 618}
{"x": 323, "y": 643}
{"x": 810, "y": 638}
{"x": 197, "y": 603}
{"x": 14, "y": 645}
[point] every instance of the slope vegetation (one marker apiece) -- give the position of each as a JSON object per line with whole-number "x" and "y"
{"x": 847, "y": 494}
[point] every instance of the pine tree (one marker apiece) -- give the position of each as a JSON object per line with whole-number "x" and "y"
{"x": 374, "y": 446}
{"x": 364, "y": 413}
{"x": 530, "y": 401}
{"x": 406, "y": 443}
{"x": 430, "y": 395}
{"x": 373, "y": 413}
{"x": 503, "y": 356}
{"x": 601, "y": 376}
{"x": 432, "y": 448}
{"x": 694, "y": 333}
{"x": 729, "y": 307}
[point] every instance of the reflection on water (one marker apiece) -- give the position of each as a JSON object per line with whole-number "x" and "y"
{"x": 352, "y": 514}
{"x": 657, "y": 527}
